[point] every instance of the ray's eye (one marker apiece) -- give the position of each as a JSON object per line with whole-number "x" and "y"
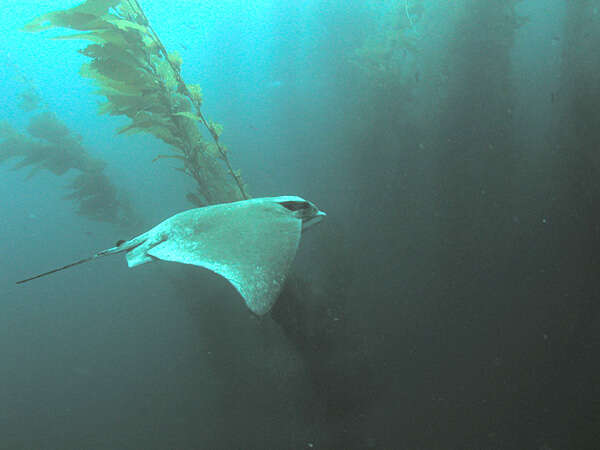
{"x": 119, "y": 243}
{"x": 294, "y": 206}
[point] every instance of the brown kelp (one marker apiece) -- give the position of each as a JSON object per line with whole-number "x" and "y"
{"x": 142, "y": 81}
{"x": 50, "y": 145}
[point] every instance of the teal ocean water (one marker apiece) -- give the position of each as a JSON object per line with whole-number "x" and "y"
{"x": 449, "y": 299}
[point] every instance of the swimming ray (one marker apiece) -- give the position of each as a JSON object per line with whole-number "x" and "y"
{"x": 251, "y": 243}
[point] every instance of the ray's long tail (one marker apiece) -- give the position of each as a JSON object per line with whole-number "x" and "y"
{"x": 57, "y": 270}
{"x": 111, "y": 251}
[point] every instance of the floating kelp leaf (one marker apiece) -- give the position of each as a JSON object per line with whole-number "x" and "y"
{"x": 169, "y": 156}
{"x": 77, "y": 18}
{"x": 165, "y": 72}
{"x": 125, "y": 25}
{"x": 19, "y": 146}
{"x": 128, "y": 105}
{"x": 176, "y": 59}
{"x": 87, "y": 185}
{"x": 145, "y": 120}
{"x": 161, "y": 130}
{"x": 180, "y": 103}
{"x": 122, "y": 73}
{"x": 47, "y": 126}
{"x": 57, "y": 166}
{"x": 113, "y": 54}
{"x": 109, "y": 84}
{"x": 171, "y": 139}
{"x": 82, "y": 17}
{"x": 125, "y": 9}
{"x": 28, "y": 161}
{"x": 183, "y": 170}
{"x": 216, "y": 128}
{"x": 99, "y": 36}
{"x": 97, "y": 198}
{"x": 196, "y": 92}
{"x": 91, "y": 164}
{"x": 131, "y": 106}
{"x": 73, "y": 20}
{"x": 120, "y": 100}
{"x": 41, "y": 23}
{"x": 78, "y": 182}
{"x": 214, "y": 151}
{"x": 189, "y": 115}
{"x": 149, "y": 43}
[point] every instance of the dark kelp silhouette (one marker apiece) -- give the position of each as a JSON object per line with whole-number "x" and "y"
{"x": 50, "y": 145}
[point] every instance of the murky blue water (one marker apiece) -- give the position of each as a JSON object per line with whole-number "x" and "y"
{"x": 448, "y": 301}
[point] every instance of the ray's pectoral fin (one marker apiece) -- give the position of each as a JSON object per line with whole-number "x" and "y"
{"x": 257, "y": 269}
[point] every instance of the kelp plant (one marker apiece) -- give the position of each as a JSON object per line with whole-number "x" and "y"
{"x": 143, "y": 82}
{"x": 50, "y": 145}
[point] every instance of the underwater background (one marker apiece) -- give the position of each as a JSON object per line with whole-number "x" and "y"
{"x": 450, "y": 299}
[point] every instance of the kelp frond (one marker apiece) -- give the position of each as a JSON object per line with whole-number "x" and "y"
{"x": 142, "y": 81}
{"x": 50, "y": 145}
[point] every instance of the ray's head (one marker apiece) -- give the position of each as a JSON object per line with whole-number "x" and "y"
{"x": 302, "y": 209}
